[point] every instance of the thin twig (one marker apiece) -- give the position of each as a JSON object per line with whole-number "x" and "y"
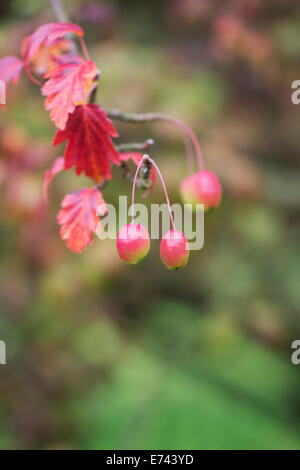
{"x": 59, "y": 11}
{"x": 160, "y": 117}
{"x": 134, "y": 146}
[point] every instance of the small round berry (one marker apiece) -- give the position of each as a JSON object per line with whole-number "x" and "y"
{"x": 187, "y": 190}
{"x": 174, "y": 250}
{"x": 133, "y": 243}
{"x": 202, "y": 188}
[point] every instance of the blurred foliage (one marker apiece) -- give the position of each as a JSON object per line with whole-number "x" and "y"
{"x": 105, "y": 355}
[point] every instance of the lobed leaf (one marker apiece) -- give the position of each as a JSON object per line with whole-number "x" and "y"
{"x": 48, "y": 56}
{"x": 89, "y": 148}
{"x": 78, "y": 217}
{"x": 68, "y": 86}
{"x": 46, "y": 35}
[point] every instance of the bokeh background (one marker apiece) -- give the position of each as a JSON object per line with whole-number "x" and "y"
{"x": 101, "y": 355}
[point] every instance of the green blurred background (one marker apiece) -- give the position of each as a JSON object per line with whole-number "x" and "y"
{"x": 101, "y": 355}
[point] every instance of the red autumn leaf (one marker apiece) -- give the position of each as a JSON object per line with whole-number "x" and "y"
{"x": 136, "y": 158}
{"x": 49, "y": 33}
{"x": 10, "y": 69}
{"x": 68, "y": 86}
{"x": 48, "y": 55}
{"x": 78, "y": 217}
{"x": 46, "y": 35}
{"x": 89, "y": 146}
{"x": 57, "y": 167}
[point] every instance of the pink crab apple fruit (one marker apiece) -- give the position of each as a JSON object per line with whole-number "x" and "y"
{"x": 133, "y": 243}
{"x": 174, "y": 250}
{"x": 202, "y": 188}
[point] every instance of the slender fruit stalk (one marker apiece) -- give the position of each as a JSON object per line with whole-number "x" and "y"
{"x": 160, "y": 117}
{"x": 133, "y": 240}
{"x": 174, "y": 247}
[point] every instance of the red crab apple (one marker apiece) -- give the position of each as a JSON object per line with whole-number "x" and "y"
{"x": 174, "y": 250}
{"x": 202, "y": 188}
{"x": 133, "y": 243}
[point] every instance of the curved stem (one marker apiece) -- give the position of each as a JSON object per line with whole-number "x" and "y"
{"x": 165, "y": 189}
{"x": 133, "y": 187}
{"x": 146, "y": 157}
{"x": 189, "y": 153}
{"x": 142, "y": 118}
{"x": 84, "y": 48}
{"x": 59, "y": 11}
{"x": 191, "y": 134}
{"x": 62, "y": 17}
{"x": 31, "y": 77}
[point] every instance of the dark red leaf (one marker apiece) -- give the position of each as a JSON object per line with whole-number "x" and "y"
{"x": 89, "y": 146}
{"x": 78, "y": 217}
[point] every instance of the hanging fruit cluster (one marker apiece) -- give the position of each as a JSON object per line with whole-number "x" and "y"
{"x": 69, "y": 81}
